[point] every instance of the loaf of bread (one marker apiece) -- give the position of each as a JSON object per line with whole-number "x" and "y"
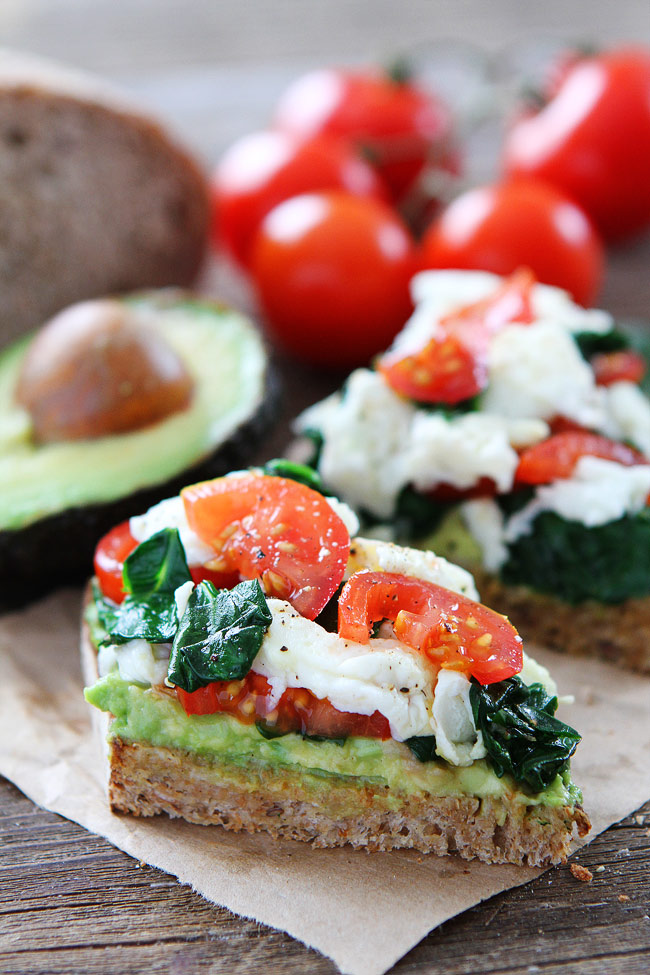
{"x": 96, "y": 197}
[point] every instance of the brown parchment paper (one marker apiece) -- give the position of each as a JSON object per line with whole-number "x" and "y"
{"x": 363, "y": 911}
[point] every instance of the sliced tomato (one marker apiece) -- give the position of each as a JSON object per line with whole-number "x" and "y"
{"x": 557, "y": 457}
{"x": 452, "y": 366}
{"x": 444, "y": 371}
{"x": 117, "y": 545}
{"x": 297, "y": 710}
{"x": 110, "y": 554}
{"x": 273, "y": 529}
{"x": 451, "y": 630}
{"x": 614, "y": 367}
{"x": 485, "y": 487}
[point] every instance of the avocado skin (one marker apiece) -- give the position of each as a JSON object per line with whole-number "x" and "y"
{"x": 58, "y": 550}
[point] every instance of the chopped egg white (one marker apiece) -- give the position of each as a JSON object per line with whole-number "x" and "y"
{"x": 484, "y": 520}
{"x": 376, "y": 442}
{"x": 383, "y": 675}
{"x": 170, "y": 513}
{"x": 537, "y": 371}
{"x": 628, "y": 415}
{"x": 364, "y": 429}
{"x": 462, "y": 450}
{"x": 457, "y": 740}
{"x": 136, "y": 661}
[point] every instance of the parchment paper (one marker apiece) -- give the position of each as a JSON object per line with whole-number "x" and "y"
{"x": 363, "y": 911}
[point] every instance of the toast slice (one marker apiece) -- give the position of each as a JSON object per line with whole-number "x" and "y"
{"x": 401, "y": 804}
{"x": 96, "y": 196}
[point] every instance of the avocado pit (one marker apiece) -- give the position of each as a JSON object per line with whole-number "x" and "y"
{"x": 97, "y": 369}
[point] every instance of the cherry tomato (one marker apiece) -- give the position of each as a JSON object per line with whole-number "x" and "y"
{"x": 110, "y": 554}
{"x": 614, "y": 367}
{"x": 263, "y": 169}
{"x": 557, "y": 457}
{"x": 272, "y": 529}
{"x": 332, "y": 274}
{"x": 592, "y": 140}
{"x": 452, "y": 630}
{"x": 506, "y": 225}
{"x": 452, "y": 366}
{"x": 401, "y": 128}
{"x": 297, "y": 710}
{"x": 112, "y": 551}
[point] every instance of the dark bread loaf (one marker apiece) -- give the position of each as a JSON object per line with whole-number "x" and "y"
{"x": 95, "y": 196}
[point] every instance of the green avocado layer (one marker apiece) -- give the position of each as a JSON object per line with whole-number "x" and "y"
{"x": 226, "y": 357}
{"x": 151, "y": 716}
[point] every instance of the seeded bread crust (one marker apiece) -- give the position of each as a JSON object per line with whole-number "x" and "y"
{"x": 146, "y": 780}
{"x": 617, "y": 633}
{"x": 96, "y": 197}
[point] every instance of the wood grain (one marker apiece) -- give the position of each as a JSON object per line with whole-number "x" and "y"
{"x": 72, "y": 903}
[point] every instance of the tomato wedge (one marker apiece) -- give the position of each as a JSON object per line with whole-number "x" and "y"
{"x": 557, "y": 457}
{"x": 114, "y": 548}
{"x": 110, "y": 555}
{"x": 272, "y": 529}
{"x": 452, "y": 630}
{"x": 297, "y": 710}
{"x": 615, "y": 367}
{"x": 452, "y": 366}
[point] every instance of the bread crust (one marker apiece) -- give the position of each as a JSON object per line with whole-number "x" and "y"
{"x": 618, "y": 633}
{"x": 147, "y": 780}
{"x": 96, "y": 196}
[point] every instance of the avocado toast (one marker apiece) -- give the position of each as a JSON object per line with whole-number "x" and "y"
{"x": 59, "y": 495}
{"x": 507, "y": 429}
{"x": 265, "y": 671}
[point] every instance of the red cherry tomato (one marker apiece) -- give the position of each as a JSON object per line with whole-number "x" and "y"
{"x": 452, "y": 630}
{"x": 401, "y": 128}
{"x": 615, "y": 367}
{"x": 275, "y": 530}
{"x": 263, "y": 169}
{"x": 557, "y": 457}
{"x": 452, "y": 366}
{"x": 592, "y": 140}
{"x": 297, "y": 710}
{"x": 117, "y": 545}
{"x": 110, "y": 554}
{"x": 506, "y": 225}
{"x": 332, "y": 273}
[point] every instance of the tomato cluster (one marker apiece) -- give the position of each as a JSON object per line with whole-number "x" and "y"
{"x": 315, "y": 208}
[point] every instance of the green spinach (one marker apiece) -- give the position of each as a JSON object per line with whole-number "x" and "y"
{"x": 219, "y": 635}
{"x": 295, "y": 472}
{"x": 423, "y": 747}
{"x": 152, "y": 573}
{"x": 608, "y": 563}
{"x": 520, "y": 733}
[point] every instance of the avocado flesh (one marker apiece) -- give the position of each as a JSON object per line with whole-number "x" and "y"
{"x": 56, "y": 500}
{"x": 149, "y": 715}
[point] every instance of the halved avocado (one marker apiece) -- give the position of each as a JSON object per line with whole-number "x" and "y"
{"x": 57, "y": 499}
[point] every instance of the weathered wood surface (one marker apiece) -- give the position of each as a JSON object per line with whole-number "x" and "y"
{"x": 70, "y": 902}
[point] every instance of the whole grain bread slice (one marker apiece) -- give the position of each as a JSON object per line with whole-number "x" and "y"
{"x": 147, "y": 780}
{"x": 96, "y": 196}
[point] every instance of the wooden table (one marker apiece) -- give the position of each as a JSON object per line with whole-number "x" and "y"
{"x": 72, "y": 903}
